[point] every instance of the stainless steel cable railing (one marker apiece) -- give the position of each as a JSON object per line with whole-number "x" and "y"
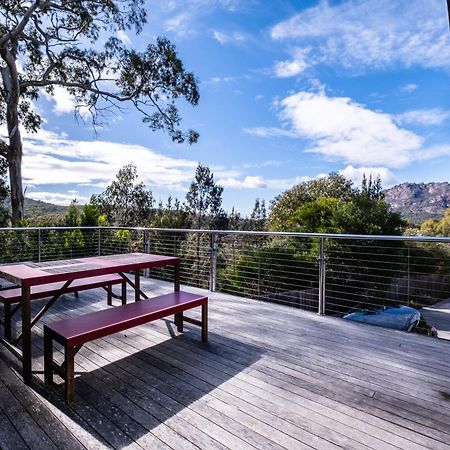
{"x": 326, "y": 273}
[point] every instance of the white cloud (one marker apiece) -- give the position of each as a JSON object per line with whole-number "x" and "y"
{"x": 358, "y": 35}
{"x": 64, "y": 102}
{"x": 428, "y": 117}
{"x": 217, "y": 80}
{"x": 124, "y": 37}
{"x": 356, "y": 174}
{"x": 269, "y": 132}
{"x": 343, "y": 130}
{"x": 287, "y": 183}
{"x": 249, "y": 182}
{"x": 409, "y": 88}
{"x": 224, "y": 38}
{"x": 51, "y": 158}
{"x": 258, "y": 182}
{"x": 295, "y": 66}
{"x": 188, "y": 22}
{"x": 56, "y": 198}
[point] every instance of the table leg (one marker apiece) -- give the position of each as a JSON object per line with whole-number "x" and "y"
{"x": 177, "y": 277}
{"x": 137, "y": 285}
{"x": 178, "y": 318}
{"x": 26, "y": 334}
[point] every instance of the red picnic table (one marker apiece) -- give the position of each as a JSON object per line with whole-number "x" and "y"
{"x": 30, "y": 274}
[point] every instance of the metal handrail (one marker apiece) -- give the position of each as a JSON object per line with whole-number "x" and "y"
{"x": 368, "y": 237}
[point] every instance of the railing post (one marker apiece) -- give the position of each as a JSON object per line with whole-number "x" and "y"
{"x": 409, "y": 274}
{"x": 146, "y": 250}
{"x": 99, "y": 240}
{"x": 39, "y": 245}
{"x": 213, "y": 262}
{"x": 322, "y": 269}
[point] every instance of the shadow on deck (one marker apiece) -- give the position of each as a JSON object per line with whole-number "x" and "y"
{"x": 270, "y": 377}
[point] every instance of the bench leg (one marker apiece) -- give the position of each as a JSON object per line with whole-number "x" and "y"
{"x": 205, "y": 322}
{"x": 48, "y": 357}
{"x": 137, "y": 285}
{"x": 178, "y": 319}
{"x": 69, "y": 366}
{"x": 124, "y": 293}
{"x": 7, "y": 320}
{"x": 76, "y": 294}
{"x": 109, "y": 295}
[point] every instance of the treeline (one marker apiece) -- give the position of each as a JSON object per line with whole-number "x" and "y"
{"x": 360, "y": 273}
{"x": 128, "y": 203}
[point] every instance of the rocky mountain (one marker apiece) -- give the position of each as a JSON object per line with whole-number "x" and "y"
{"x": 419, "y": 201}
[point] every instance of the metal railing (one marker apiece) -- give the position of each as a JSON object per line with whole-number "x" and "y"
{"x": 326, "y": 273}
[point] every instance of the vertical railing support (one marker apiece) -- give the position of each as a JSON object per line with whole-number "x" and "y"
{"x": 409, "y": 274}
{"x": 322, "y": 270}
{"x": 213, "y": 262}
{"x": 99, "y": 240}
{"x": 39, "y": 242}
{"x": 146, "y": 250}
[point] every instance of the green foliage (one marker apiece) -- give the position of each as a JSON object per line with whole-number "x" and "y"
{"x": 4, "y": 193}
{"x": 89, "y": 216}
{"x": 173, "y": 215}
{"x": 125, "y": 202}
{"x": 258, "y": 217}
{"x": 72, "y": 218}
{"x": 102, "y": 220}
{"x": 344, "y": 210}
{"x": 204, "y": 199}
{"x": 437, "y": 227}
{"x": 73, "y": 44}
{"x": 58, "y": 45}
{"x": 73, "y": 241}
{"x": 323, "y": 215}
{"x": 285, "y": 205}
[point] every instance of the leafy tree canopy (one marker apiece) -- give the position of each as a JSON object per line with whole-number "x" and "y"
{"x": 204, "y": 199}
{"x": 437, "y": 227}
{"x": 344, "y": 210}
{"x": 172, "y": 215}
{"x": 286, "y": 205}
{"x": 125, "y": 202}
{"x": 73, "y": 44}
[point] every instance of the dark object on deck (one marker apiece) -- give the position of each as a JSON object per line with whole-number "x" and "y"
{"x": 74, "y": 332}
{"x": 401, "y": 317}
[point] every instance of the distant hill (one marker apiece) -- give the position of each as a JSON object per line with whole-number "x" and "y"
{"x": 39, "y": 208}
{"x": 37, "y": 211}
{"x": 419, "y": 201}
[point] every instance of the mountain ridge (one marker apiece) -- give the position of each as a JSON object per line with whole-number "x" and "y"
{"x": 419, "y": 201}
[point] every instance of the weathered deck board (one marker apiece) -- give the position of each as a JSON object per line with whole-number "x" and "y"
{"x": 271, "y": 377}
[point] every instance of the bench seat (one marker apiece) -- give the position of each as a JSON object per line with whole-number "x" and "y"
{"x": 72, "y": 333}
{"x": 13, "y": 295}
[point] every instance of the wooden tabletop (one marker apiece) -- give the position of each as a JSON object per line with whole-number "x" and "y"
{"x": 32, "y": 274}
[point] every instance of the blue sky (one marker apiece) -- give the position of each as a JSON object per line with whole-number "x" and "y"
{"x": 290, "y": 90}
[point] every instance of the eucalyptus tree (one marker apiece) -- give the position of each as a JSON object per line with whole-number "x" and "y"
{"x": 204, "y": 198}
{"x": 125, "y": 202}
{"x": 74, "y": 44}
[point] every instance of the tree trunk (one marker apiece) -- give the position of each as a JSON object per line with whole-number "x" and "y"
{"x": 15, "y": 163}
{"x": 14, "y": 155}
{"x": 15, "y": 180}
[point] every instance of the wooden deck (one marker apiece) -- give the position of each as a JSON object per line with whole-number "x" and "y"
{"x": 270, "y": 377}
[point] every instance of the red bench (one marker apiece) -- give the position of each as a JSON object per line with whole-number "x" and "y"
{"x": 74, "y": 332}
{"x": 12, "y": 296}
